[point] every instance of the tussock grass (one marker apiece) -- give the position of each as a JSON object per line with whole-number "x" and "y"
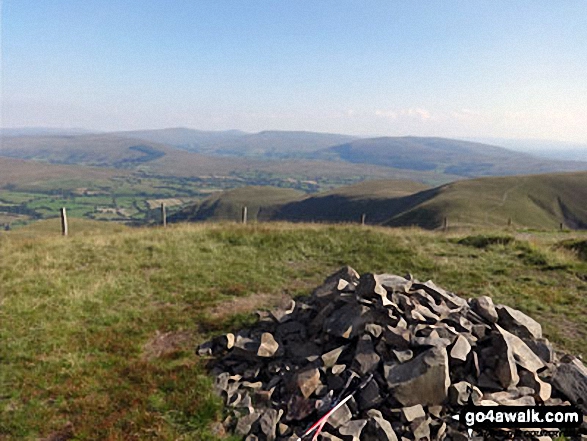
{"x": 79, "y": 315}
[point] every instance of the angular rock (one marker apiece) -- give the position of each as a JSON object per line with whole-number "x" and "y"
{"x": 523, "y": 355}
{"x": 541, "y": 347}
{"x": 346, "y": 322}
{"x": 411, "y": 413}
{"x": 420, "y": 429}
{"x": 542, "y": 390}
{"x": 268, "y": 423}
{"x": 462, "y": 393}
{"x": 428, "y": 374}
{"x": 352, "y": 430}
{"x": 370, "y": 287}
{"x": 440, "y": 295}
{"x": 330, "y": 358}
{"x": 380, "y": 426}
{"x": 369, "y": 396}
{"x": 570, "y": 379}
{"x": 403, "y": 356}
{"x": 342, "y": 416}
{"x": 518, "y": 323}
{"x": 268, "y": 346}
{"x": 485, "y": 308}
{"x": 460, "y": 349}
{"x": 308, "y": 381}
{"x": 245, "y": 423}
{"x": 366, "y": 359}
{"x": 299, "y": 408}
{"x": 330, "y": 285}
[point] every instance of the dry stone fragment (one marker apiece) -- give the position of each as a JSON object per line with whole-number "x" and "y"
{"x": 346, "y": 322}
{"x": 308, "y": 381}
{"x": 462, "y": 393}
{"x": 380, "y": 427}
{"x": 518, "y": 323}
{"x": 413, "y": 412}
{"x": 329, "y": 358}
{"x": 485, "y": 308}
{"x": 542, "y": 390}
{"x": 268, "y": 346}
{"x": 245, "y": 423}
{"x": 268, "y": 424}
{"x": 366, "y": 359}
{"x": 403, "y": 356}
{"x": 570, "y": 378}
{"x": 369, "y": 396}
{"x": 428, "y": 374}
{"x": 352, "y": 430}
{"x": 370, "y": 287}
{"x": 460, "y": 349}
{"x": 326, "y": 436}
{"x": 342, "y": 416}
{"x": 522, "y": 353}
{"x": 420, "y": 428}
{"x": 330, "y": 285}
{"x": 440, "y": 295}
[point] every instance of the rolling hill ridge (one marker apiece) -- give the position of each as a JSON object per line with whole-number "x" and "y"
{"x": 534, "y": 201}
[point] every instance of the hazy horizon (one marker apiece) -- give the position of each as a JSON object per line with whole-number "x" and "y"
{"x": 460, "y": 70}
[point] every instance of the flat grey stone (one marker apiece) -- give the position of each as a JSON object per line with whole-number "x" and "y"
{"x": 570, "y": 379}
{"x": 460, "y": 349}
{"x": 518, "y": 323}
{"x": 427, "y": 373}
{"x": 523, "y": 355}
{"x": 485, "y": 308}
{"x": 366, "y": 359}
{"x": 308, "y": 381}
{"x": 351, "y": 431}
{"x": 413, "y": 412}
{"x": 380, "y": 426}
{"x": 330, "y": 358}
{"x": 268, "y": 346}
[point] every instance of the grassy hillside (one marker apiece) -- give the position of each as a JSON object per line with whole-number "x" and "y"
{"x": 26, "y": 174}
{"x": 537, "y": 201}
{"x": 449, "y": 156}
{"x": 376, "y": 198}
{"x": 534, "y": 201}
{"x": 99, "y": 330}
{"x": 261, "y": 203}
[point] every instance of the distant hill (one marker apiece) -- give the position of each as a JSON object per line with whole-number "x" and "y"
{"x": 184, "y": 138}
{"x": 534, "y": 201}
{"x": 21, "y": 173}
{"x": 114, "y": 151}
{"x": 266, "y": 144}
{"x": 449, "y": 156}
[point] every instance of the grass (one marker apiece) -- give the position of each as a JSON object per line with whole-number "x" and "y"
{"x": 98, "y": 329}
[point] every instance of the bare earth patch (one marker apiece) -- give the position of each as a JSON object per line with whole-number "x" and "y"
{"x": 166, "y": 343}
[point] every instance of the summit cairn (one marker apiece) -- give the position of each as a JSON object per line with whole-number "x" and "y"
{"x": 390, "y": 358}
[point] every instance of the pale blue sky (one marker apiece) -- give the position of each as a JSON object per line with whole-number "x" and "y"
{"x": 510, "y": 69}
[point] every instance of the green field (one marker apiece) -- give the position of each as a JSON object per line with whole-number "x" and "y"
{"x": 98, "y": 329}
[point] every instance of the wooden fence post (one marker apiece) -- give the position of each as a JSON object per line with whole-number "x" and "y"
{"x": 445, "y": 224}
{"x": 64, "y": 229}
{"x": 561, "y": 226}
{"x": 163, "y": 215}
{"x": 244, "y": 215}
{"x": 363, "y": 218}
{"x": 509, "y": 221}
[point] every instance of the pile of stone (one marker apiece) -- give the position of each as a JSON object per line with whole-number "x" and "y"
{"x": 427, "y": 351}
